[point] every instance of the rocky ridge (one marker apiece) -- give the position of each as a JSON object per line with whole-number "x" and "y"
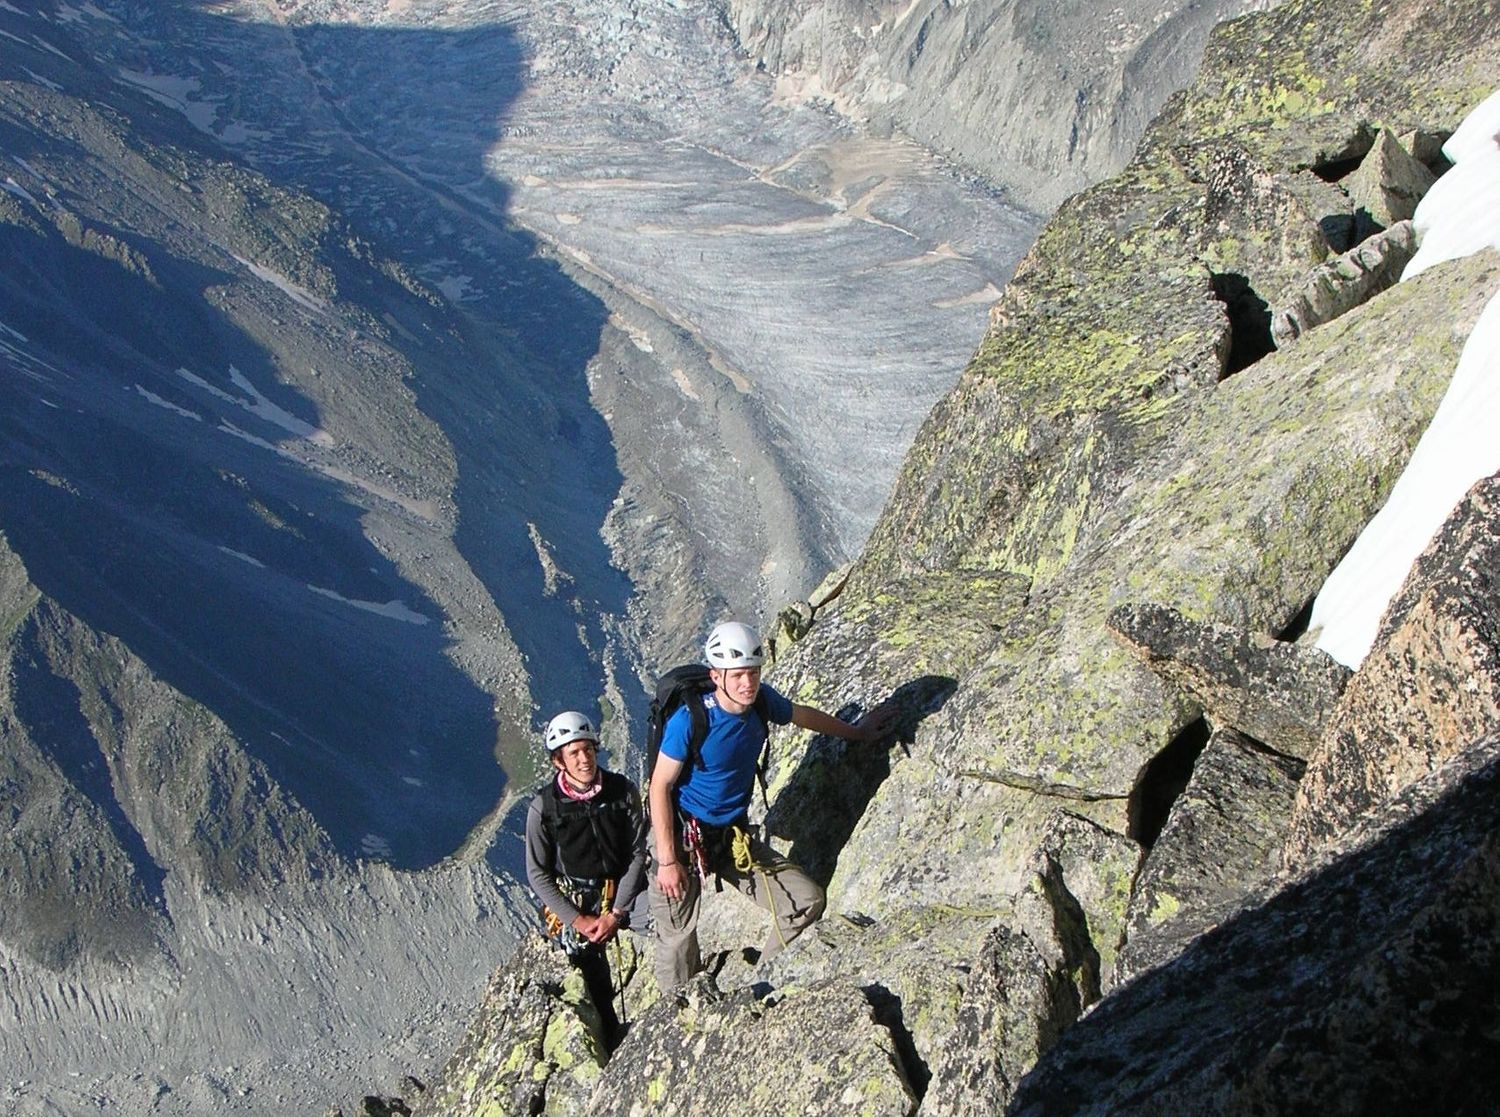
{"x": 1079, "y": 883}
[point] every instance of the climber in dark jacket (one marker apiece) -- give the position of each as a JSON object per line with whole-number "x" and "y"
{"x": 585, "y": 853}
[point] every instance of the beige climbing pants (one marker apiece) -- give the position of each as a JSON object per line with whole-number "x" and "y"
{"x": 775, "y": 885}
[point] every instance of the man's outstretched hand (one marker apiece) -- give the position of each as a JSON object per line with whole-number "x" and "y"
{"x": 878, "y": 723}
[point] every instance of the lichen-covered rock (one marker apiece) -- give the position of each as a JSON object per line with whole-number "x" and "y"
{"x": 1340, "y": 285}
{"x": 1338, "y": 71}
{"x": 535, "y": 1046}
{"x": 1035, "y": 974}
{"x": 913, "y": 963}
{"x": 1139, "y": 289}
{"x": 1369, "y": 984}
{"x": 1430, "y": 684}
{"x": 906, "y": 647}
{"x": 1286, "y": 462}
{"x": 1279, "y": 693}
{"x": 1220, "y": 843}
{"x": 1095, "y": 868}
{"x": 817, "y": 1049}
{"x": 1389, "y": 182}
{"x": 1002, "y": 476}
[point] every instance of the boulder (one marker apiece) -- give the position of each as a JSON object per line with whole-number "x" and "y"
{"x": 1341, "y": 284}
{"x": 1389, "y": 182}
{"x": 1220, "y": 843}
{"x": 1430, "y": 684}
{"x": 1279, "y": 693}
{"x": 1091, "y": 869}
{"x": 914, "y": 964}
{"x": 1036, "y": 973}
{"x": 817, "y": 1049}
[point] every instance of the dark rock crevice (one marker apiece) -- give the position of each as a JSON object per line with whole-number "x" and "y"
{"x": 1163, "y": 779}
{"x": 888, "y": 1011}
{"x": 1293, "y": 630}
{"x": 1249, "y": 320}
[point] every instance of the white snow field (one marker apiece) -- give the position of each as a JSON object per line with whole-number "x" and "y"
{"x": 1459, "y": 216}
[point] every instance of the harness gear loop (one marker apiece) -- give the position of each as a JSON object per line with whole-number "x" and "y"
{"x": 584, "y": 894}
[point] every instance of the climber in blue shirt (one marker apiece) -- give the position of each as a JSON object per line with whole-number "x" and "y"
{"x": 698, "y": 809}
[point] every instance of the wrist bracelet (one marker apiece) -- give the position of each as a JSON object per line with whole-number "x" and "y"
{"x": 660, "y": 863}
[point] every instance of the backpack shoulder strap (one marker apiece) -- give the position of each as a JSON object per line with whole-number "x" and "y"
{"x": 697, "y": 728}
{"x": 547, "y": 793}
{"x": 762, "y": 710}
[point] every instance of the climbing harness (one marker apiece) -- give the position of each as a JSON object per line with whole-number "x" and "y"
{"x": 584, "y": 895}
{"x": 697, "y": 843}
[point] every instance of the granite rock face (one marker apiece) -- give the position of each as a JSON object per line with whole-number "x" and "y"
{"x": 1279, "y": 693}
{"x": 1430, "y": 685}
{"x": 1220, "y": 844}
{"x": 1151, "y": 287}
{"x": 1367, "y": 984}
{"x": 1286, "y": 461}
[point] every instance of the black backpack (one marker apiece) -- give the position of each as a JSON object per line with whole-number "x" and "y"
{"x": 685, "y": 686}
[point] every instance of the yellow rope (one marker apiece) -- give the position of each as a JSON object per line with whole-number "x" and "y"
{"x": 744, "y": 862}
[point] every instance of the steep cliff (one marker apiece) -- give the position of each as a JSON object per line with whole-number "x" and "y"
{"x": 166, "y": 897}
{"x": 1081, "y": 596}
{"x": 1041, "y": 98}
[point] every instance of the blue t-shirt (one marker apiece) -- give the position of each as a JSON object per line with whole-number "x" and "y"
{"x": 719, "y": 792}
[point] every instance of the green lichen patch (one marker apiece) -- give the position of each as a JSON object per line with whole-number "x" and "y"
{"x": 1239, "y": 519}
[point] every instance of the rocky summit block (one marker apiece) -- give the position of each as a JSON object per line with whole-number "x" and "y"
{"x": 1390, "y": 182}
{"x": 1430, "y": 685}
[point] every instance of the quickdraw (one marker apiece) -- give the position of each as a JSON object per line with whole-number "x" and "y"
{"x": 692, "y": 842}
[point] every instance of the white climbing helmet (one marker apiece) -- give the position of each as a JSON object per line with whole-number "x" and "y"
{"x": 732, "y": 644}
{"x": 568, "y": 727}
